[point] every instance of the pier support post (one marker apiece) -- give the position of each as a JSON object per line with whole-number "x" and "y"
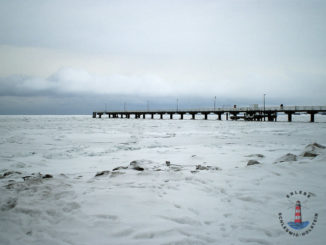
{"x": 171, "y": 116}
{"x": 205, "y": 116}
{"x": 234, "y": 116}
{"x": 144, "y": 116}
{"x": 100, "y": 115}
{"x": 152, "y": 115}
{"x": 289, "y": 116}
{"x": 161, "y": 116}
{"x": 193, "y": 116}
{"x": 181, "y": 116}
{"x": 312, "y": 116}
{"x": 219, "y": 116}
{"x": 270, "y": 117}
{"x": 94, "y": 114}
{"x": 227, "y": 116}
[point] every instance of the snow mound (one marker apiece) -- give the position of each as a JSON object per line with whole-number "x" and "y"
{"x": 256, "y": 155}
{"x": 315, "y": 146}
{"x": 102, "y": 173}
{"x": 119, "y": 168}
{"x": 137, "y": 165}
{"x": 9, "y": 173}
{"x": 150, "y": 167}
{"x": 313, "y": 150}
{"x": 201, "y": 167}
{"x": 289, "y": 157}
{"x": 37, "y": 177}
{"x": 252, "y": 162}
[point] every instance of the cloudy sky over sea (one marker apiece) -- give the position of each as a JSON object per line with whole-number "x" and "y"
{"x": 75, "y": 56}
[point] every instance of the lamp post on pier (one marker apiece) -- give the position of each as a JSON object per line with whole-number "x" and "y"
{"x": 264, "y": 106}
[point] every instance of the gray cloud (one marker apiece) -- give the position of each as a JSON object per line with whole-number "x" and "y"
{"x": 22, "y": 85}
{"x": 70, "y": 81}
{"x": 77, "y": 81}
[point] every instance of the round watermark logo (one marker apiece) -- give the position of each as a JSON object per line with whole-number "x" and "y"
{"x": 298, "y": 219}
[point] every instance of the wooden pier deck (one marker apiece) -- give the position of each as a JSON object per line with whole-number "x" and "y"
{"x": 234, "y": 113}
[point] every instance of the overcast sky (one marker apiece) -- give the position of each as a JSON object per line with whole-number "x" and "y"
{"x": 75, "y": 56}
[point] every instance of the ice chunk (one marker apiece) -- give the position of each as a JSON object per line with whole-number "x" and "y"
{"x": 289, "y": 157}
{"x": 136, "y": 165}
{"x": 105, "y": 172}
{"x": 252, "y": 162}
{"x": 313, "y": 150}
{"x": 201, "y": 167}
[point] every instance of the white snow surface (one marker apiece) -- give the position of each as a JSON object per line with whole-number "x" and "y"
{"x": 177, "y": 204}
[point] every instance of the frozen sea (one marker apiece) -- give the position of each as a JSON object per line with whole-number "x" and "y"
{"x": 160, "y": 181}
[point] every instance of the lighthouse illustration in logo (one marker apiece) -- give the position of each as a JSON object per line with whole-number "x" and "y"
{"x": 298, "y": 224}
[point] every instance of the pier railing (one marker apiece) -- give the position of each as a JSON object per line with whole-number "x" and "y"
{"x": 227, "y": 109}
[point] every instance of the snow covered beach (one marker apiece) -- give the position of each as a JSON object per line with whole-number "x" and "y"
{"x": 166, "y": 181}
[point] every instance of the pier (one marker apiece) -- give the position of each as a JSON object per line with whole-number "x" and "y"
{"x": 234, "y": 113}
